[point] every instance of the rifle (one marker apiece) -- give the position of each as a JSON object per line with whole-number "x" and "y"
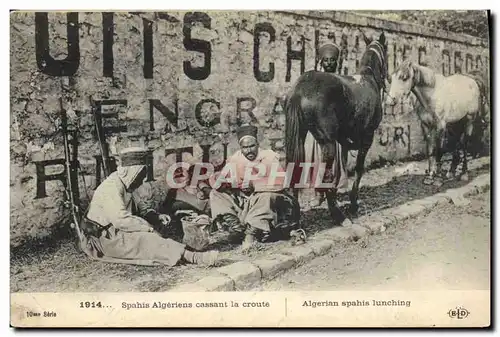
{"x": 70, "y": 189}
{"x": 103, "y": 146}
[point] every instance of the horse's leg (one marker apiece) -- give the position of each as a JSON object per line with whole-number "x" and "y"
{"x": 359, "y": 170}
{"x": 467, "y": 135}
{"x": 328, "y": 151}
{"x": 439, "y": 145}
{"x": 428, "y": 132}
{"x": 457, "y": 133}
{"x": 434, "y": 152}
{"x": 454, "y": 163}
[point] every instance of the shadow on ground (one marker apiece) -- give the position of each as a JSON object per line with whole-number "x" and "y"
{"x": 399, "y": 190}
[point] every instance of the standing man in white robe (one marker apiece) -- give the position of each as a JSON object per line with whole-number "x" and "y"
{"x": 328, "y": 57}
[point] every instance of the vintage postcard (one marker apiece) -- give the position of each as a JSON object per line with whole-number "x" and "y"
{"x": 246, "y": 168}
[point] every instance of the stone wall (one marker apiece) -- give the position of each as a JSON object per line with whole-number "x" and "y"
{"x": 179, "y": 83}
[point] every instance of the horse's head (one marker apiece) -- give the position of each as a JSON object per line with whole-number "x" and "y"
{"x": 374, "y": 60}
{"x": 402, "y": 81}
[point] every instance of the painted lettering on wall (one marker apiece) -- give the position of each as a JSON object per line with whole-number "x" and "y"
{"x": 422, "y": 54}
{"x": 46, "y": 63}
{"x": 207, "y": 111}
{"x": 446, "y": 68}
{"x": 293, "y": 54}
{"x": 458, "y": 62}
{"x": 395, "y": 136}
{"x": 110, "y": 124}
{"x": 147, "y": 33}
{"x": 197, "y": 45}
{"x": 100, "y": 116}
{"x": 171, "y": 116}
{"x": 246, "y": 105}
{"x": 469, "y": 62}
{"x": 261, "y": 29}
{"x": 479, "y": 62}
{"x": 42, "y": 177}
{"x": 344, "y": 54}
{"x": 108, "y": 31}
{"x": 263, "y": 33}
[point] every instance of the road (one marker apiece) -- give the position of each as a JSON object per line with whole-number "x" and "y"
{"x": 448, "y": 248}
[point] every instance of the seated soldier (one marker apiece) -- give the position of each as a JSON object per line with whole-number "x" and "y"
{"x": 188, "y": 198}
{"x": 114, "y": 233}
{"x": 260, "y": 209}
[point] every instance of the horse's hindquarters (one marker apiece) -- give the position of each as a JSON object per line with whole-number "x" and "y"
{"x": 460, "y": 98}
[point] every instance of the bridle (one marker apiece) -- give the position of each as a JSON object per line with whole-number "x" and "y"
{"x": 383, "y": 63}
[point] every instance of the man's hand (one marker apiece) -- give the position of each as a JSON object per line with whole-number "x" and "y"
{"x": 165, "y": 219}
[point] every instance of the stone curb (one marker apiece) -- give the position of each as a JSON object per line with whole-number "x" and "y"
{"x": 245, "y": 274}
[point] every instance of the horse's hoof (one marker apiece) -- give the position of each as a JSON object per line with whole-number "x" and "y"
{"x": 464, "y": 177}
{"x": 347, "y": 222}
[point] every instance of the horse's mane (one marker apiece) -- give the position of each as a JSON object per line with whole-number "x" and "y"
{"x": 366, "y": 64}
{"x": 423, "y": 76}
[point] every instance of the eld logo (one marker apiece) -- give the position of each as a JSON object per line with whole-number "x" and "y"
{"x": 458, "y": 313}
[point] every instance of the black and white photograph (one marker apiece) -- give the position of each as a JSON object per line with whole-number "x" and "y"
{"x": 250, "y": 152}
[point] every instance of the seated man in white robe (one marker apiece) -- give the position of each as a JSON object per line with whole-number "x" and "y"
{"x": 262, "y": 208}
{"x": 114, "y": 231}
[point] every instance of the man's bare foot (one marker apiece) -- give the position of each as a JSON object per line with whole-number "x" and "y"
{"x": 248, "y": 242}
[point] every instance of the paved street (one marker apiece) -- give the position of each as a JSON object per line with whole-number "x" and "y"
{"x": 447, "y": 249}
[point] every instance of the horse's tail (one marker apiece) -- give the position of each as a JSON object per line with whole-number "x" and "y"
{"x": 482, "y": 82}
{"x": 482, "y": 120}
{"x": 294, "y": 136}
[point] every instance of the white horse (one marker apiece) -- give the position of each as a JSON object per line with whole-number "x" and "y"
{"x": 448, "y": 103}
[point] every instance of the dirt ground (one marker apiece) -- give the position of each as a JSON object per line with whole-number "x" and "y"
{"x": 449, "y": 248}
{"x": 64, "y": 269}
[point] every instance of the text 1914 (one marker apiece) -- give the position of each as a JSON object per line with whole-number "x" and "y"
{"x": 91, "y": 305}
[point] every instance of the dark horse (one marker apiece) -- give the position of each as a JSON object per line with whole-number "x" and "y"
{"x": 347, "y": 109}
